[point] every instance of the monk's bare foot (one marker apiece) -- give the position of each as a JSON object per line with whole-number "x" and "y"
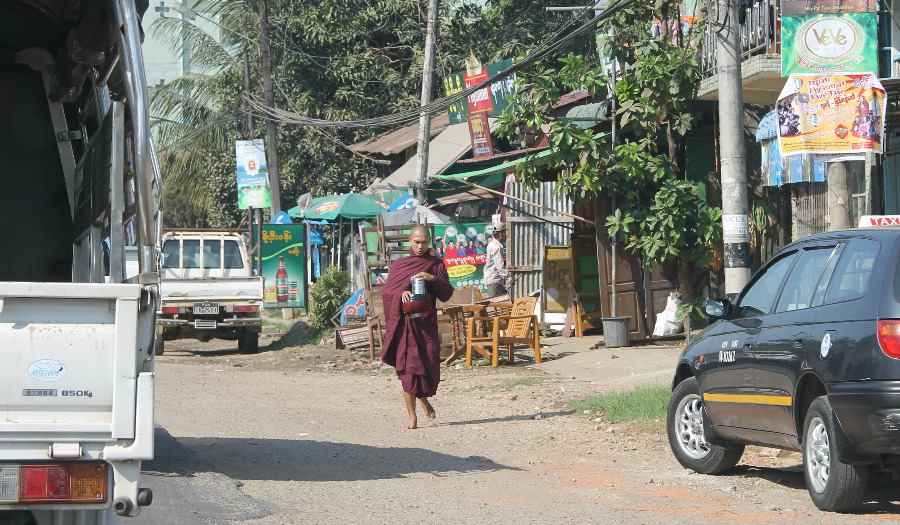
{"x": 429, "y": 410}
{"x": 411, "y": 425}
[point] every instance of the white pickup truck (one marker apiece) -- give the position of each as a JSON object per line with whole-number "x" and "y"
{"x": 208, "y": 290}
{"x": 76, "y": 334}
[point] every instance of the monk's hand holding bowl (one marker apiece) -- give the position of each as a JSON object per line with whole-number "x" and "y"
{"x": 405, "y": 296}
{"x": 424, "y": 275}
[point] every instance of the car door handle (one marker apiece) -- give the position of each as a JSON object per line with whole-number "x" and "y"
{"x": 798, "y": 343}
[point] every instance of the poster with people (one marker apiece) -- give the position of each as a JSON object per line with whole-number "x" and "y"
{"x": 463, "y": 247}
{"x": 831, "y": 114}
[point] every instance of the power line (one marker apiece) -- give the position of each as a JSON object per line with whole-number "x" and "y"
{"x": 552, "y": 44}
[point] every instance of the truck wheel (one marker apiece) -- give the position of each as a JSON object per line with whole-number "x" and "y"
{"x": 249, "y": 342}
{"x": 833, "y": 485}
{"x": 159, "y": 345}
{"x": 684, "y": 425}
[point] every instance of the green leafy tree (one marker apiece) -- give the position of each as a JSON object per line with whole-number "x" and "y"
{"x": 659, "y": 216}
{"x": 332, "y": 59}
{"x": 327, "y": 295}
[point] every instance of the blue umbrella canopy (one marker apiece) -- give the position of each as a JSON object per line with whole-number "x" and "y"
{"x": 768, "y": 127}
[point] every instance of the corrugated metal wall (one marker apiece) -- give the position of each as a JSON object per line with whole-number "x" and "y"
{"x": 531, "y": 228}
{"x": 808, "y": 204}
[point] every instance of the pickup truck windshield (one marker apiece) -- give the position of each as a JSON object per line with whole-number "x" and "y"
{"x": 197, "y": 253}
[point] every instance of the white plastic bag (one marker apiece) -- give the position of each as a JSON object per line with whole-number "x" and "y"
{"x": 667, "y": 322}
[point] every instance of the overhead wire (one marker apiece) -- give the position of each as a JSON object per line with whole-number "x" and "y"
{"x": 553, "y": 43}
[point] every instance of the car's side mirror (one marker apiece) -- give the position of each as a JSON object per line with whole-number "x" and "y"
{"x": 716, "y": 308}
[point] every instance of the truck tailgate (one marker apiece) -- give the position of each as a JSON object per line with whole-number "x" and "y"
{"x": 69, "y": 361}
{"x": 220, "y": 289}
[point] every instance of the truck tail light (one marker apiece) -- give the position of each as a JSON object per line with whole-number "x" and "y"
{"x": 171, "y": 310}
{"x": 53, "y": 483}
{"x": 889, "y": 338}
{"x": 245, "y": 308}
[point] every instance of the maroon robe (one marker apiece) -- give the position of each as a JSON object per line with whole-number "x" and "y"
{"x": 413, "y": 346}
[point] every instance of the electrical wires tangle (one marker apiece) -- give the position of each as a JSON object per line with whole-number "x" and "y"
{"x": 549, "y": 46}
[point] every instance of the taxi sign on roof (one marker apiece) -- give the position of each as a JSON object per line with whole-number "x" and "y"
{"x": 868, "y": 221}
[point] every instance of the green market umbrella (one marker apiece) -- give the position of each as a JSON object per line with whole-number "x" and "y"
{"x": 344, "y": 206}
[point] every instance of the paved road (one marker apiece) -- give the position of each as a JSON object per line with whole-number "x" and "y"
{"x": 284, "y": 438}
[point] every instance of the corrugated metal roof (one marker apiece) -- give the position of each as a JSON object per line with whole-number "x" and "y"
{"x": 571, "y": 98}
{"x": 505, "y": 155}
{"x": 397, "y": 141}
{"x": 443, "y": 151}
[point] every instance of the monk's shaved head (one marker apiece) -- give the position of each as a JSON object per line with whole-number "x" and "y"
{"x": 420, "y": 230}
{"x": 419, "y": 239}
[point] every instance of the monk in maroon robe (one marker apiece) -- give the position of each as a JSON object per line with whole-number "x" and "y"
{"x": 413, "y": 346}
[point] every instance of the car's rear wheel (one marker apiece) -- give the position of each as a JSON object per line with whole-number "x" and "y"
{"x": 684, "y": 423}
{"x": 833, "y": 485}
{"x": 248, "y": 342}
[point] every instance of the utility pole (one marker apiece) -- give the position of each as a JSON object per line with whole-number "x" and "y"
{"x": 731, "y": 148}
{"x": 425, "y": 118}
{"x": 248, "y": 124}
{"x": 265, "y": 59}
{"x": 838, "y": 188}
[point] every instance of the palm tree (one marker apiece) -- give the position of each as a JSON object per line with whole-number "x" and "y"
{"x": 197, "y": 116}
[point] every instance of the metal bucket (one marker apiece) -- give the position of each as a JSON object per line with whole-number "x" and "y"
{"x": 616, "y": 331}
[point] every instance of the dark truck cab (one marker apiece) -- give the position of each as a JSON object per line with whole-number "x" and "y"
{"x": 807, "y": 358}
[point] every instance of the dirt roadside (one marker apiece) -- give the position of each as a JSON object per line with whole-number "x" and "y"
{"x": 315, "y": 434}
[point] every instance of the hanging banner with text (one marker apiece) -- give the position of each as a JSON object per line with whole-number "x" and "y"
{"x": 831, "y": 114}
{"x": 820, "y": 44}
{"x": 499, "y": 92}
{"x": 252, "y": 175}
{"x": 480, "y": 133}
{"x": 463, "y": 247}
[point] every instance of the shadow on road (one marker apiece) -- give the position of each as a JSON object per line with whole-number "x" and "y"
{"x": 881, "y": 496}
{"x": 303, "y": 460}
{"x": 522, "y": 417}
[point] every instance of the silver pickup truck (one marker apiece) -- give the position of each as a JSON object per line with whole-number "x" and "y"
{"x": 208, "y": 290}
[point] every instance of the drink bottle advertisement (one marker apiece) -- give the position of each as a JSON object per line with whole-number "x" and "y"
{"x": 284, "y": 265}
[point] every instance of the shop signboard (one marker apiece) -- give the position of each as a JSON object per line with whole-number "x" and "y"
{"x": 463, "y": 247}
{"x": 826, "y": 7}
{"x": 284, "y": 265}
{"x": 821, "y": 44}
{"x": 831, "y": 114}
{"x": 252, "y": 174}
{"x": 480, "y": 133}
{"x": 557, "y": 265}
{"x": 499, "y": 91}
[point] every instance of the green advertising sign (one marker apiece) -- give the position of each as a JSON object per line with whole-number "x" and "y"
{"x": 463, "y": 247}
{"x": 284, "y": 265}
{"x": 500, "y": 91}
{"x": 820, "y": 44}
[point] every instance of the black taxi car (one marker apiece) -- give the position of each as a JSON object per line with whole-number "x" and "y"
{"x": 806, "y": 357}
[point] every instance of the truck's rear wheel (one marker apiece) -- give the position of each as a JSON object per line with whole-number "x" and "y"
{"x": 249, "y": 342}
{"x": 159, "y": 345}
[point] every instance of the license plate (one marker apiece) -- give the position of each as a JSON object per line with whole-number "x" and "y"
{"x": 206, "y": 308}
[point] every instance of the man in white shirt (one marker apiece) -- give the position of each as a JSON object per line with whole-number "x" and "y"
{"x": 496, "y": 277}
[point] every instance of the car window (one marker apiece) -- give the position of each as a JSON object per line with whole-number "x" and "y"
{"x": 801, "y": 283}
{"x": 851, "y": 276}
{"x": 758, "y": 299}
{"x": 211, "y": 258}
{"x": 171, "y": 253}
{"x": 191, "y": 254}
{"x": 822, "y": 287}
{"x": 233, "y": 255}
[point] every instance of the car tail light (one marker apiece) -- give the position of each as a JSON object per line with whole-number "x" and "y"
{"x": 889, "y": 338}
{"x": 53, "y": 483}
{"x": 171, "y": 310}
{"x": 245, "y": 308}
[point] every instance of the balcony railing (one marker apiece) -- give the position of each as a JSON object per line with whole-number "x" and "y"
{"x": 760, "y": 32}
